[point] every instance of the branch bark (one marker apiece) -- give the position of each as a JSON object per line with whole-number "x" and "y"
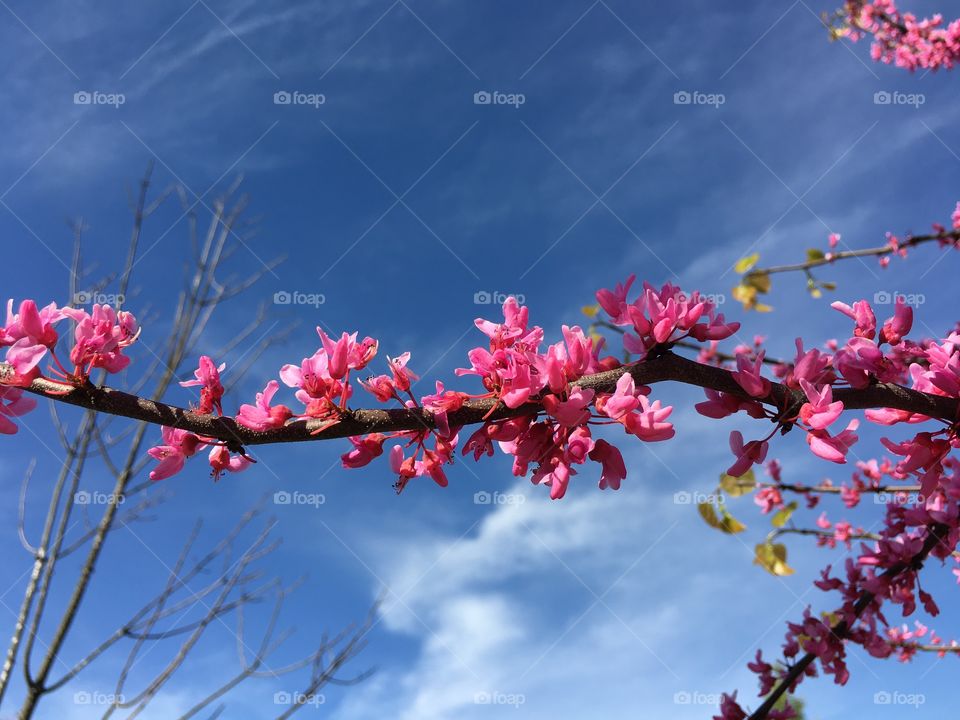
{"x": 668, "y": 367}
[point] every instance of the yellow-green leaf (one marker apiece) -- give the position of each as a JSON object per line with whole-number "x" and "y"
{"x": 737, "y": 486}
{"x": 772, "y": 557}
{"x": 782, "y": 515}
{"x": 709, "y": 514}
{"x": 744, "y": 264}
{"x": 590, "y": 310}
{"x": 814, "y": 255}
{"x": 725, "y": 522}
{"x": 828, "y": 285}
{"x": 758, "y": 280}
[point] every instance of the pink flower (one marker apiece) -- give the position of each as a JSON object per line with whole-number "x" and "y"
{"x": 178, "y": 445}
{"x": 441, "y": 403}
{"x": 614, "y": 470}
{"x": 899, "y": 325}
{"x": 13, "y": 404}
{"x": 748, "y": 375}
{"x": 207, "y": 376}
{"x": 262, "y": 416}
{"x": 100, "y": 338}
{"x": 834, "y": 448}
{"x": 753, "y": 452}
{"x": 574, "y": 410}
{"x": 623, "y": 401}
{"x": 30, "y": 334}
{"x": 221, "y": 461}
{"x": 820, "y": 411}
{"x": 346, "y": 353}
{"x": 649, "y": 423}
{"x": 730, "y": 709}
{"x": 365, "y": 449}
{"x": 614, "y": 302}
{"x": 862, "y": 314}
{"x": 768, "y": 498}
{"x": 402, "y": 375}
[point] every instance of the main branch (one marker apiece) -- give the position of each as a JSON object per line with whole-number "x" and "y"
{"x": 667, "y": 367}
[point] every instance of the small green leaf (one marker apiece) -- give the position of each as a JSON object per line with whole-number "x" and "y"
{"x": 760, "y": 281}
{"x": 782, "y": 515}
{"x": 745, "y": 263}
{"x": 814, "y": 255}
{"x": 772, "y": 557}
{"x": 725, "y": 522}
{"x": 737, "y": 486}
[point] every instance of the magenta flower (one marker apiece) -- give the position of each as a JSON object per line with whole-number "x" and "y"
{"x": 862, "y": 314}
{"x": 820, "y": 412}
{"x": 263, "y": 416}
{"x": 13, "y": 404}
{"x": 899, "y": 325}
{"x": 751, "y": 453}
{"x": 614, "y": 469}
{"x": 833, "y": 448}
{"x": 207, "y": 377}
{"x": 748, "y": 375}
{"x": 178, "y": 445}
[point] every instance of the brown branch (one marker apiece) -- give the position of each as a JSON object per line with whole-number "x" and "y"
{"x": 842, "y": 629}
{"x": 668, "y": 367}
{"x": 951, "y": 236}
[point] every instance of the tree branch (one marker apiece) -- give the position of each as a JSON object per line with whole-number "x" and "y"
{"x": 667, "y": 367}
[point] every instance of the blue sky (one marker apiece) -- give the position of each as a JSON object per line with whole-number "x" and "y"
{"x": 401, "y": 201}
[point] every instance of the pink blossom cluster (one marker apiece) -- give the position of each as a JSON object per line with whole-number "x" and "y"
{"x": 901, "y": 39}
{"x": 29, "y": 335}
